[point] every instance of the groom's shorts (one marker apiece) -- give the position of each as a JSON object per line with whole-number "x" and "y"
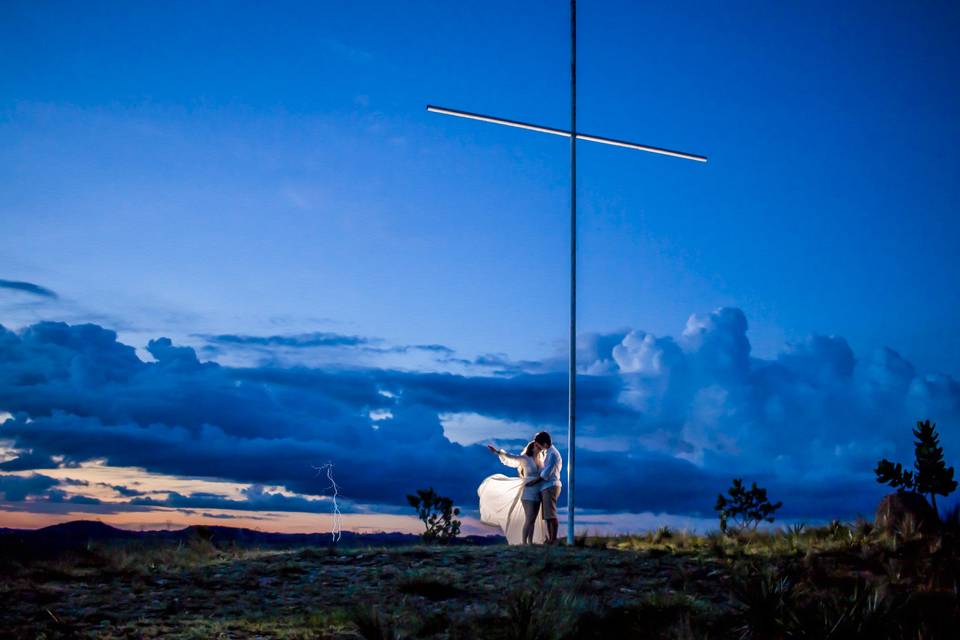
{"x": 549, "y": 498}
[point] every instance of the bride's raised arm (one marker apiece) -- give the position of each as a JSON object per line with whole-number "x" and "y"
{"x": 508, "y": 459}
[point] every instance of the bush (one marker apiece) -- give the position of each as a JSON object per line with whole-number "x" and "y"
{"x": 745, "y": 508}
{"x": 437, "y": 514}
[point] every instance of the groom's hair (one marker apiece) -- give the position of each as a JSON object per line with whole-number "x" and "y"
{"x": 543, "y": 438}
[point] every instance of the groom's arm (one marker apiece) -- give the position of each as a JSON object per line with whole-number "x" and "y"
{"x": 551, "y": 464}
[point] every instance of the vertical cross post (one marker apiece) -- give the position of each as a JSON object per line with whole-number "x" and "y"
{"x": 572, "y": 373}
{"x": 574, "y": 136}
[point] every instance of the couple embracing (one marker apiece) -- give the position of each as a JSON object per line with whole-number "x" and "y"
{"x": 515, "y": 503}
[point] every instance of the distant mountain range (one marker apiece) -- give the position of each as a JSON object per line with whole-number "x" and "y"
{"x": 79, "y": 533}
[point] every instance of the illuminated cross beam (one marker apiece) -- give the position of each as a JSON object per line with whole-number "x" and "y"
{"x": 573, "y": 135}
{"x": 566, "y": 134}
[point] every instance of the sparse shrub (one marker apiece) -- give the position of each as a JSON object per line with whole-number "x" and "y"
{"x": 432, "y": 586}
{"x": 597, "y": 542}
{"x": 327, "y": 620}
{"x": 767, "y": 602}
{"x": 433, "y": 623}
{"x": 931, "y": 475}
{"x": 863, "y": 528}
{"x": 838, "y": 530}
{"x": 907, "y": 529}
{"x": 371, "y": 623}
{"x": 202, "y": 532}
{"x": 716, "y": 543}
{"x": 524, "y": 608}
{"x": 546, "y": 614}
{"x": 438, "y": 515}
{"x": 745, "y": 508}
{"x": 661, "y": 534}
{"x": 867, "y": 613}
{"x": 655, "y": 615}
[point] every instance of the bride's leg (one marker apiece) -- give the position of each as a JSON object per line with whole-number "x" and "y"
{"x": 534, "y": 516}
{"x": 529, "y": 520}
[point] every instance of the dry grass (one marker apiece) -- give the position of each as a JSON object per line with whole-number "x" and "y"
{"x": 845, "y": 580}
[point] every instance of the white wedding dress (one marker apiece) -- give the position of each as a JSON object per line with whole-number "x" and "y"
{"x": 500, "y": 497}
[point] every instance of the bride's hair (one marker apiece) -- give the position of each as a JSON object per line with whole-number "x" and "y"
{"x": 530, "y": 449}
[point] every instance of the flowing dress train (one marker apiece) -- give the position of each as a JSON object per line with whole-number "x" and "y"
{"x": 500, "y": 498}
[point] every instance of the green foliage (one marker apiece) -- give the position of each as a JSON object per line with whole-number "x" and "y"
{"x": 745, "y": 508}
{"x": 931, "y": 475}
{"x": 895, "y": 476}
{"x": 438, "y": 515}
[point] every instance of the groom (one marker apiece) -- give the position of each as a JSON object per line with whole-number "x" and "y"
{"x": 549, "y": 483}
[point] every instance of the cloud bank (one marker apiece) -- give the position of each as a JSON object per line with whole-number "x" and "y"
{"x": 664, "y": 422}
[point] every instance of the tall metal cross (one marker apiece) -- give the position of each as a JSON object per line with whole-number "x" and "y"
{"x": 574, "y": 135}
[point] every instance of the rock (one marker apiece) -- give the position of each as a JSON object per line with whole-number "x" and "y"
{"x": 895, "y": 507}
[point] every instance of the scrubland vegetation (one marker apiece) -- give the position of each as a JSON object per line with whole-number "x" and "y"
{"x": 892, "y": 579}
{"x": 845, "y": 580}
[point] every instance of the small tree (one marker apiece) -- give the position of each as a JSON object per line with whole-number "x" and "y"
{"x": 745, "y": 508}
{"x": 437, "y": 514}
{"x": 931, "y": 475}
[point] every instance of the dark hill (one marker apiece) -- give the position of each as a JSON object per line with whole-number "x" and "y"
{"x": 76, "y": 535}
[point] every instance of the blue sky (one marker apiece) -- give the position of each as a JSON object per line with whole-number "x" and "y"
{"x": 261, "y": 183}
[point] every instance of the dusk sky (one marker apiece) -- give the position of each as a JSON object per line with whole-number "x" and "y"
{"x": 236, "y": 247}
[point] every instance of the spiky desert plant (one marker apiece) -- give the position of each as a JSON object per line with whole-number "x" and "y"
{"x": 766, "y": 601}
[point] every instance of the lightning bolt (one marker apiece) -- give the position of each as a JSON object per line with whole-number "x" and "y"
{"x": 337, "y": 516}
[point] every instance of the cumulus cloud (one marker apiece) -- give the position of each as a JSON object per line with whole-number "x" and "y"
{"x": 28, "y": 287}
{"x": 664, "y": 422}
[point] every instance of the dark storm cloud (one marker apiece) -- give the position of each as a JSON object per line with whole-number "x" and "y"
{"x": 27, "y": 461}
{"x": 302, "y": 340}
{"x": 28, "y": 287}
{"x": 56, "y": 495}
{"x": 124, "y": 491}
{"x": 15, "y": 488}
{"x": 683, "y": 416}
{"x": 255, "y": 499}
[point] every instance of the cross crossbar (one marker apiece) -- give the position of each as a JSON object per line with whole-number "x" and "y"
{"x": 566, "y": 134}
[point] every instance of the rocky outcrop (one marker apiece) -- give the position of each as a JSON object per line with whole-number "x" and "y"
{"x": 895, "y": 508}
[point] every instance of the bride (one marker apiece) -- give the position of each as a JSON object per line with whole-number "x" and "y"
{"x": 513, "y": 504}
